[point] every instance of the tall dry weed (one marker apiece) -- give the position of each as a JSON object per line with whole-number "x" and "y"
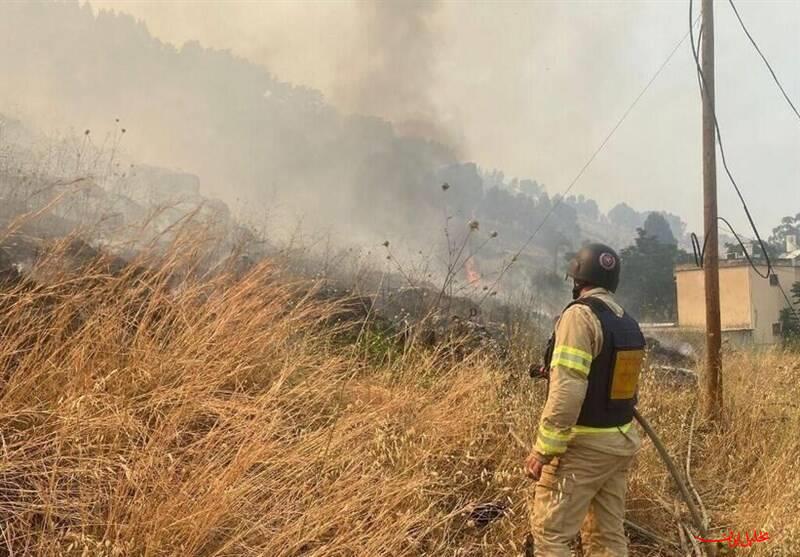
{"x": 159, "y": 408}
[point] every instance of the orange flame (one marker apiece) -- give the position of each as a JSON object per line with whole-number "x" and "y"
{"x": 473, "y": 276}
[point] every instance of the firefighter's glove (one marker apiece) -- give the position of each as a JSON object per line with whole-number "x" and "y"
{"x": 533, "y": 466}
{"x": 539, "y": 371}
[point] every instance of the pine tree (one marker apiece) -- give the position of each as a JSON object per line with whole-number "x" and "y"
{"x": 647, "y": 286}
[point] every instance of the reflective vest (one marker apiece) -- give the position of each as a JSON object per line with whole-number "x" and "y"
{"x": 614, "y": 373}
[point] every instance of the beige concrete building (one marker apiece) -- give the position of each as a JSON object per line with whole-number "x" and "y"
{"x": 750, "y": 305}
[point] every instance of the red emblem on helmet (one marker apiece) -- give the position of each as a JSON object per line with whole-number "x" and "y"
{"x": 608, "y": 261}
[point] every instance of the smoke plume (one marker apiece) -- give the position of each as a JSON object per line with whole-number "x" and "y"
{"x": 393, "y": 74}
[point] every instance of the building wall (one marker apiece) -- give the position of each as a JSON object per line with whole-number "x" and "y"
{"x": 747, "y": 301}
{"x": 736, "y": 311}
{"x": 739, "y": 339}
{"x": 768, "y": 301}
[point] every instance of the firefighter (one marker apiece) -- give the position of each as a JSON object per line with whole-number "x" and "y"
{"x": 586, "y": 441}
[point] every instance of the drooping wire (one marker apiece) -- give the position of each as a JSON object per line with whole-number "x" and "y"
{"x": 699, "y": 253}
{"x": 794, "y": 109}
{"x": 703, "y": 89}
{"x": 558, "y": 201}
{"x": 764, "y": 58}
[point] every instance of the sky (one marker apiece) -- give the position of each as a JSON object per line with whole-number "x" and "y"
{"x": 533, "y": 88}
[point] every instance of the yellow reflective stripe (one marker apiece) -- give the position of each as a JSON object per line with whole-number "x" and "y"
{"x": 573, "y": 351}
{"x": 573, "y": 358}
{"x": 554, "y": 434}
{"x": 587, "y": 429}
{"x": 577, "y": 366}
{"x": 545, "y": 448}
{"x": 551, "y": 442}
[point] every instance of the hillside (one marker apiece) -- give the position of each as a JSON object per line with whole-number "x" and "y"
{"x": 270, "y": 150}
{"x": 241, "y": 319}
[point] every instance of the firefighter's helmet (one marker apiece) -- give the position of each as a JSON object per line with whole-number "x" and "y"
{"x": 596, "y": 265}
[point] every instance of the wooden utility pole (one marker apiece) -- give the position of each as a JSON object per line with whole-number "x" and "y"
{"x": 712, "y": 406}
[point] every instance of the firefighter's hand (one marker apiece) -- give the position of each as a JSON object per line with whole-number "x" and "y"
{"x": 533, "y": 467}
{"x": 538, "y": 371}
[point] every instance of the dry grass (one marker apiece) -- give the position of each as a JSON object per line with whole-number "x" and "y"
{"x": 155, "y": 412}
{"x": 747, "y": 469}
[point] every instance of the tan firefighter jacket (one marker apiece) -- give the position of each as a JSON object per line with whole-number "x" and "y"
{"x": 579, "y": 339}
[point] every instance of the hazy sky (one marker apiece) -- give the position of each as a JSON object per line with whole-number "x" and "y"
{"x": 532, "y": 88}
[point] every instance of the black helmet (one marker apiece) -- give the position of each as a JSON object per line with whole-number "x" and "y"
{"x": 596, "y": 265}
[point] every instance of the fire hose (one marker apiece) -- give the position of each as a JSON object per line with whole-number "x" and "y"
{"x": 673, "y": 470}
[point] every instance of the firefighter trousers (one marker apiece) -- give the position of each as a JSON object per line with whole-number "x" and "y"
{"x": 583, "y": 491}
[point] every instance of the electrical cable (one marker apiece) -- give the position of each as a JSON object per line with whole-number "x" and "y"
{"x": 764, "y": 58}
{"x": 695, "y": 240}
{"x": 559, "y": 200}
{"x": 700, "y": 252}
{"x": 703, "y": 88}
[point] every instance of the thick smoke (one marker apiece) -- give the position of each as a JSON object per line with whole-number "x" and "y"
{"x": 395, "y": 75}
{"x": 263, "y": 145}
{"x": 532, "y": 88}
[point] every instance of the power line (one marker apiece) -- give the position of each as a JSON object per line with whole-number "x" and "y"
{"x": 764, "y": 58}
{"x": 558, "y": 201}
{"x": 699, "y": 252}
{"x": 695, "y": 241}
{"x": 721, "y": 148}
